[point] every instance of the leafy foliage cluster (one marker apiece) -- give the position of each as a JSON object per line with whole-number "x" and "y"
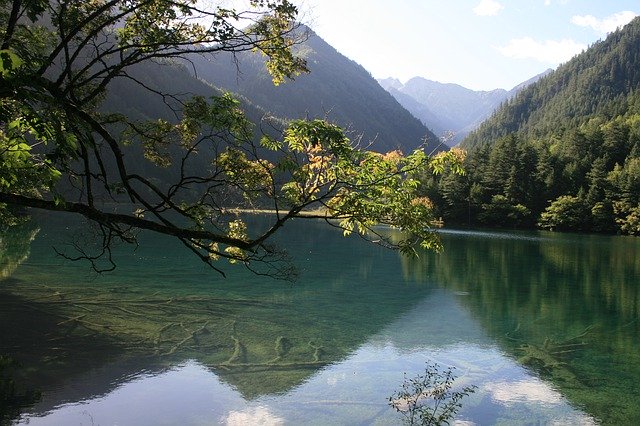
{"x": 564, "y": 154}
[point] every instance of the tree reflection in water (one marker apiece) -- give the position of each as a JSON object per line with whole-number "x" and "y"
{"x": 566, "y": 306}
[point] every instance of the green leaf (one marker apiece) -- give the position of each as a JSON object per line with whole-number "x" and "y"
{"x": 58, "y": 200}
{"x": 270, "y": 143}
{"x": 9, "y": 62}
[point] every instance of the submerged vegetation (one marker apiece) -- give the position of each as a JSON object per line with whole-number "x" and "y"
{"x": 161, "y": 328}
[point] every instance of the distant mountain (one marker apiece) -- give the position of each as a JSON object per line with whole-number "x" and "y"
{"x": 449, "y": 107}
{"x": 598, "y": 82}
{"x": 337, "y": 88}
{"x": 438, "y": 123}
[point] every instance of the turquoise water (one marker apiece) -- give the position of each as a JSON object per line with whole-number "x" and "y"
{"x": 545, "y": 325}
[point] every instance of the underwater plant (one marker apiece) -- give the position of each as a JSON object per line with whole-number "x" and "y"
{"x": 428, "y": 399}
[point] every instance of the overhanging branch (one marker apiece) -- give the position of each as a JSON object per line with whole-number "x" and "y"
{"x": 100, "y": 216}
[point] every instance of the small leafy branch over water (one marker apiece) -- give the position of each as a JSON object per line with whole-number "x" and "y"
{"x": 428, "y": 399}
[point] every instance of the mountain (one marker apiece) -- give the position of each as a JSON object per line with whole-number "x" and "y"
{"x": 528, "y": 83}
{"x": 440, "y": 124}
{"x": 564, "y": 153}
{"x": 449, "y": 107}
{"x": 336, "y": 88}
{"x": 597, "y": 82}
{"x": 130, "y": 99}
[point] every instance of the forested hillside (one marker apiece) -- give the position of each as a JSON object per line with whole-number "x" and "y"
{"x": 359, "y": 103}
{"x": 596, "y": 83}
{"x": 176, "y": 84}
{"x": 336, "y": 87}
{"x": 563, "y": 154}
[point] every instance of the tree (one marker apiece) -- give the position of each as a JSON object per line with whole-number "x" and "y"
{"x": 501, "y": 212}
{"x": 502, "y": 159}
{"x": 566, "y": 213}
{"x": 628, "y": 218}
{"x": 61, "y": 152}
{"x": 597, "y": 180}
{"x": 625, "y": 183}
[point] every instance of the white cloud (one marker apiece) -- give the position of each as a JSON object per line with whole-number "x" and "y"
{"x": 605, "y": 25}
{"x": 549, "y": 51}
{"x": 537, "y": 392}
{"x": 560, "y": 2}
{"x": 488, "y": 8}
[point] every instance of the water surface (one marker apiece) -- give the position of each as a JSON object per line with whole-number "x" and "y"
{"x": 545, "y": 325}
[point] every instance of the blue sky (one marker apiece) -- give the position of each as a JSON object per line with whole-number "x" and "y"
{"x": 479, "y": 44}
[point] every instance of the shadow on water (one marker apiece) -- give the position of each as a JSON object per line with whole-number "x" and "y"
{"x": 565, "y": 306}
{"x": 79, "y": 335}
{"x": 43, "y": 344}
{"x": 46, "y": 349}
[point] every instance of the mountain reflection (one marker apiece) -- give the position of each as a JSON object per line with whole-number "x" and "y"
{"x": 565, "y": 306}
{"x": 261, "y": 337}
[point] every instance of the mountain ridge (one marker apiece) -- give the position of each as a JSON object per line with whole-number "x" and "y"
{"x": 449, "y": 107}
{"x": 336, "y": 88}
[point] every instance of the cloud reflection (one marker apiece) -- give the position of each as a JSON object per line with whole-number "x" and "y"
{"x": 253, "y": 416}
{"x": 530, "y": 390}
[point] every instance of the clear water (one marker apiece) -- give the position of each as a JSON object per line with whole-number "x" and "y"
{"x": 545, "y": 325}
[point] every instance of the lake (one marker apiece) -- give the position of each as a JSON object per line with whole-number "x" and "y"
{"x": 545, "y": 325}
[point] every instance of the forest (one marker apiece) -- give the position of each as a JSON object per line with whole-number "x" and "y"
{"x": 564, "y": 154}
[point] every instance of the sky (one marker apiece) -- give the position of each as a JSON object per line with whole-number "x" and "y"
{"x": 479, "y": 44}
